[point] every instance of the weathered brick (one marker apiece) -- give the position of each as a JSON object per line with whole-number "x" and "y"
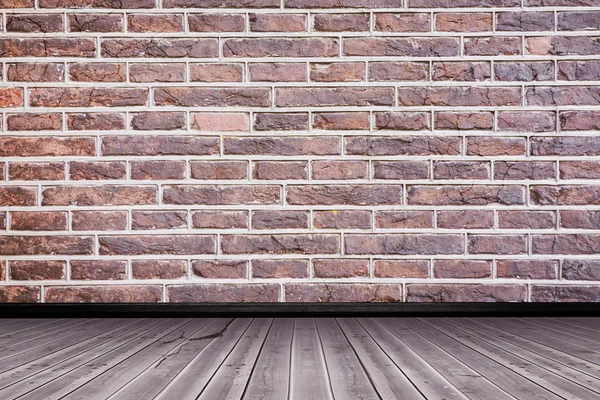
{"x": 341, "y": 121}
{"x": 404, "y": 121}
{"x": 156, "y": 244}
{"x": 30, "y": 23}
{"x": 342, "y": 219}
{"x": 160, "y": 145}
{"x": 401, "y": 47}
{"x": 95, "y": 122}
{"x": 216, "y": 97}
{"x": 524, "y": 71}
{"x": 99, "y": 170}
{"x": 104, "y": 294}
{"x": 98, "y": 270}
{"x": 472, "y": 170}
{"x": 402, "y": 22}
{"x": 563, "y": 45}
{"x": 340, "y": 96}
{"x": 581, "y": 270}
{"x": 95, "y": 22}
{"x": 404, "y": 219}
{"x": 468, "y": 269}
{"x": 467, "y": 22}
{"x": 221, "y": 122}
{"x": 222, "y": 292}
{"x": 272, "y": 219}
{"x": 406, "y": 145}
{"x": 417, "y": 269}
{"x": 492, "y": 46}
{"x": 579, "y": 170}
{"x": 277, "y": 22}
{"x": 11, "y": 97}
{"x": 574, "y": 21}
{"x": 527, "y": 269}
{"x": 466, "y": 219}
{"x": 34, "y": 122}
{"x": 209, "y": 170}
{"x": 527, "y": 121}
{"x": 461, "y": 293}
{"x": 25, "y": 171}
{"x": 342, "y": 3}
{"x": 222, "y": 194}
{"x": 37, "y": 270}
{"x": 98, "y": 195}
{"x": 158, "y": 269}
{"x": 404, "y": 244}
{"x": 98, "y": 72}
{"x": 507, "y": 170}
{"x": 580, "y": 219}
{"x": 280, "y": 170}
{"x": 495, "y": 146}
{"x": 287, "y": 268}
{"x": 160, "y": 48}
{"x": 99, "y": 220}
{"x": 48, "y": 47}
{"x": 565, "y": 195}
{"x": 159, "y": 169}
{"x": 464, "y": 120}
{"x": 158, "y": 121}
{"x": 154, "y": 72}
{"x": 216, "y": 22}
{"x": 563, "y": 293}
{"x": 337, "y": 72}
{"x": 459, "y": 96}
{"x": 398, "y": 71}
{"x": 280, "y": 121}
{"x": 17, "y": 3}
{"x": 344, "y": 194}
{"x": 497, "y": 244}
{"x": 46, "y": 245}
{"x": 562, "y": 96}
{"x": 216, "y": 219}
{"x": 343, "y": 292}
{"x": 281, "y": 47}
{"x": 35, "y": 72}
{"x": 212, "y": 72}
{"x": 282, "y": 146}
{"x": 579, "y": 120}
{"x": 281, "y": 244}
{"x": 465, "y": 195}
{"x": 525, "y": 21}
{"x": 17, "y": 196}
{"x": 97, "y": 4}
{"x": 161, "y": 23}
{"x": 565, "y": 146}
{"x": 339, "y": 170}
{"x": 151, "y": 220}
{"x": 88, "y": 97}
{"x": 340, "y": 268}
{"x": 341, "y": 22}
{"x": 220, "y": 269}
{"x": 403, "y": 170}
{"x": 38, "y": 221}
{"x": 20, "y": 294}
{"x": 526, "y": 219}
{"x": 461, "y": 71}
{"x": 277, "y": 72}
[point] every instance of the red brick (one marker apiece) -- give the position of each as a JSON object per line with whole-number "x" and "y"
{"x": 280, "y": 121}
{"x": 401, "y": 269}
{"x": 492, "y": 46}
{"x": 525, "y": 21}
{"x": 462, "y": 293}
{"x": 472, "y": 170}
{"x": 24, "y": 171}
{"x": 222, "y": 194}
{"x": 344, "y": 194}
{"x": 35, "y": 72}
{"x": 153, "y": 72}
{"x": 526, "y": 121}
{"x": 98, "y": 270}
{"x": 404, "y": 244}
{"x": 220, "y": 269}
{"x": 221, "y": 292}
{"x": 34, "y": 122}
{"x": 277, "y": 72}
{"x": 339, "y": 170}
{"x": 343, "y": 292}
{"x": 98, "y": 72}
{"x": 38, "y": 221}
{"x": 565, "y": 244}
{"x": 404, "y": 219}
{"x": 160, "y": 145}
{"x": 95, "y": 22}
{"x": 341, "y": 22}
{"x": 406, "y": 145}
{"x": 287, "y": 219}
{"x": 290, "y": 269}
{"x": 83, "y": 170}
{"x": 280, "y": 170}
{"x": 98, "y": 195}
{"x": 97, "y": 4}
{"x": 471, "y": 22}
{"x": 526, "y": 219}
{"x": 20, "y": 294}
{"x": 221, "y": 122}
{"x": 281, "y": 47}
{"x": 507, "y": 170}
{"x": 565, "y": 195}
{"x": 159, "y": 169}
{"x": 495, "y": 146}
{"x": 30, "y": 23}
{"x": 158, "y": 269}
{"x": 99, "y": 220}
{"x": 340, "y": 96}
{"x": 161, "y": 23}
{"x": 465, "y": 219}
{"x": 37, "y": 270}
{"x": 46, "y": 245}
{"x": 579, "y": 219}
{"x": 556, "y": 294}
{"x": 579, "y": 120}
{"x": 216, "y": 97}
{"x": 401, "y": 47}
{"x": 47, "y": 47}
{"x": 156, "y": 244}
{"x": 18, "y": 196}
{"x": 402, "y": 22}
{"x": 277, "y": 22}
{"x": 398, "y": 71}
{"x": 340, "y": 268}
{"x": 469, "y": 269}
{"x": 404, "y": 170}
{"x": 282, "y": 146}
{"x": 216, "y": 22}
{"x": 581, "y": 270}
{"x": 527, "y": 269}
{"x": 497, "y": 244}
{"x": 104, "y": 294}
{"x": 216, "y": 219}
{"x": 459, "y": 96}
{"x": 160, "y": 48}
{"x": 95, "y": 122}
{"x": 407, "y": 121}
{"x": 280, "y": 244}
{"x": 465, "y": 195}
{"x": 464, "y": 120}
{"x": 217, "y": 170}
{"x": 461, "y": 71}
{"x": 578, "y": 70}
{"x": 158, "y": 121}
{"x": 88, "y": 97}
{"x": 210, "y": 72}
{"x": 342, "y": 219}
{"x": 152, "y": 220}
{"x": 337, "y": 72}
{"x": 222, "y": 3}
{"x": 10, "y": 97}
{"x": 524, "y": 71}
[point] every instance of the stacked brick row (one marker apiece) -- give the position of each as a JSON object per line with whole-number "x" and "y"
{"x": 299, "y": 150}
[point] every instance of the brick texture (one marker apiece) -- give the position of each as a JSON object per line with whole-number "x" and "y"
{"x": 299, "y": 150}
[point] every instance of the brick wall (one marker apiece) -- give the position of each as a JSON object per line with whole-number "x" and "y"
{"x": 308, "y": 150}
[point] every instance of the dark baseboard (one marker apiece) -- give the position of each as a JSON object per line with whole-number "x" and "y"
{"x": 298, "y": 310}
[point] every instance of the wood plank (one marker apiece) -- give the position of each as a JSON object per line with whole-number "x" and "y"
{"x": 387, "y": 378}
{"x": 527, "y": 371}
{"x": 430, "y": 382}
{"x": 546, "y": 357}
{"x": 8, "y": 325}
{"x": 71, "y": 381}
{"x": 196, "y": 375}
{"x": 104, "y": 385}
{"x": 232, "y": 377}
{"x": 21, "y": 330}
{"x": 574, "y": 336}
{"x": 270, "y": 379}
{"x": 589, "y": 324}
{"x": 310, "y": 379}
{"x": 346, "y": 375}
{"x": 466, "y": 379}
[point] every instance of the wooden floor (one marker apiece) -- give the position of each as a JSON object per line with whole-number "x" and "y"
{"x": 306, "y": 359}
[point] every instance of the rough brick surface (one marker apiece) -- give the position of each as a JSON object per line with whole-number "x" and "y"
{"x": 299, "y": 150}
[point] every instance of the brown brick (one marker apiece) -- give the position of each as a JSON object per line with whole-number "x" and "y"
{"x": 492, "y": 46}
{"x": 153, "y": 72}
{"x": 401, "y": 47}
{"x": 11, "y": 97}
{"x": 507, "y": 170}
{"x": 343, "y": 292}
{"x": 104, "y": 294}
{"x": 464, "y": 120}
{"x": 158, "y": 121}
{"x": 221, "y": 122}
{"x": 99, "y": 220}
{"x": 277, "y": 22}
{"x": 140, "y": 145}
{"x": 341, "y": 22}
{"x": 527, "y": 269}
{"x": 471, "y": 22}
{"x": 277, "y": 72}
{"x": 280, "y": 170}
{"x": 216, "y": 170}
{"x": 34, "y": 122}
{"x": 20, "y": 294}
{"x": 406, "y": 145}
{"x": 95, "y": 22}
{"x": 398, "y": 71}
{"x": 24, "y": 171}
{"x": 151, "y": 220}
{"x": 290, "y": 269}
{"x": 469, "y": 269}
{"x": 222, "y": 194}
{"x": 574, "y": 21}
{"x": 216, "y": 22}
{"x": 404, "y": 244}
{"x": 156, "y": 244}
{"x": 337, "y": 72}
{"x": 46, "y": 245}
{"x": 222, "y": 292}
{"x": 215, "y": 97}
{"x": 158, "y": 169}
{"x": 459, "y": 96}
{"x": 2, "y": 226}
{"x": 48, "y": 47}
{"x": 556, "y": 294}
{"x": 220, "y": 269}
{"x": 404, "y": 170}
{"x": 38, "y": 221}
{"x": 418, "y": 269}
{"x": 35, "y": 72}
{"x": 402, "y": 22}
{"x": 282, "y": 146}
{"x": 461, "y": 71}
{"x": 340, "y": 268}
{"x": 101, "y": 170}
{"x": 525, "y": 21}
{"x": 526, "y": 219}
{"x": 495, "y": 146}
{"x": 30, "y": 23}
{"x": 211, "y": 72}
{"x": 281, "y": 244}
{"x": 473, "y": 170}
{"x": 162, "y": 23}
{"x": 98, "y": 195}
{"x": 451, "y": 292}
{"x": 565, "y": 195}
{"x": 287, "y": 219}
{"x": 497, "y": 244}
{"x": 37, "y": 270}
{"x": 158, "y": 269}
{"x": 467, "y": 219}
{"x": 340, "y": 170}
{"x": 98, "y": 270}
{"x": 88, "y": 97}
{"x": 404, "y": 219}
{"x": 95, "y": 122}
{"x": 280, "y": 47}
{"x": 342, "y": 219}
{"x": 581, "y": 270}
{"x": 213, "y": 219}
{"x": 344, "y": 194}
{"x": 98, "y": 72}
{"x": 160, "y": 48}
{"x": 17, "y": 196}
{"x": 465, "y": 195}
